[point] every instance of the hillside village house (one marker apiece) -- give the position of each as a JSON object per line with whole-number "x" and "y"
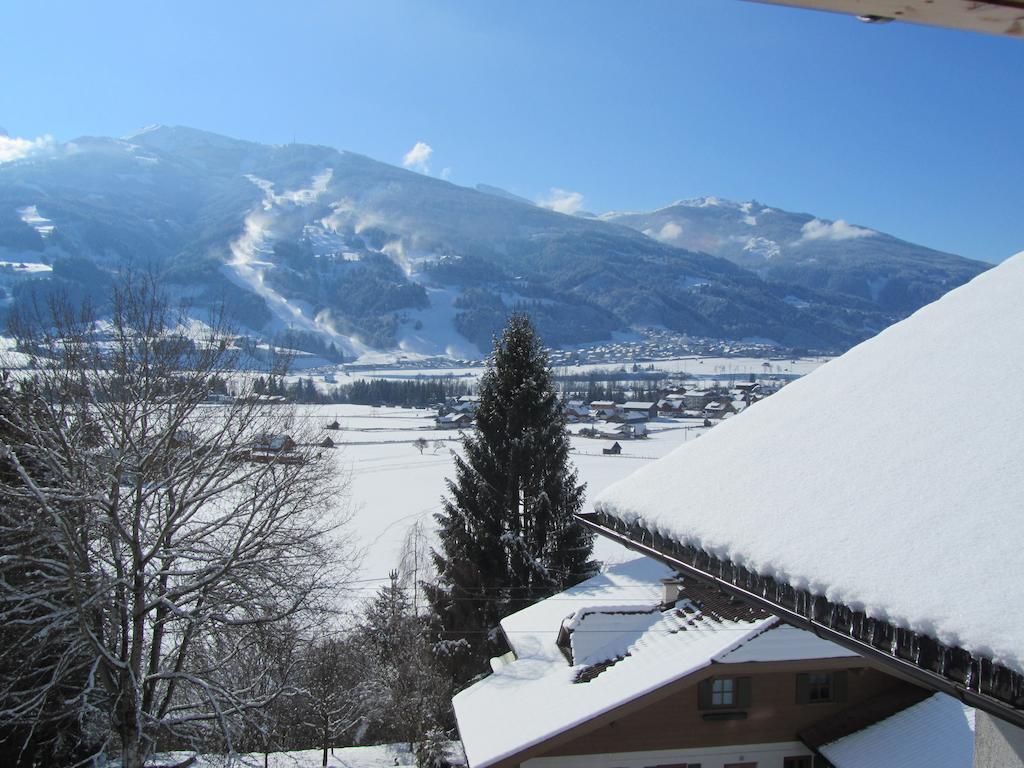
{"x": 277, "y": 449}
{"x": 602, "y": 409}
{"x": 454, "y": 420}
{"x": 635, "y": 668}
{"x": 719, "y": 409}
{"x": 892, "y": 530}
{"x": 646, "y": 410}
{"x": 467, "y": 404}
{"x": 576, "y": 409}
{"x": 696, "y": 399}
{"x": 671, "y": 405}
{"x": 623, "y": 431}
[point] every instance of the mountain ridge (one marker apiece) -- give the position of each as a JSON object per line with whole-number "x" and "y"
{"x": 335, "y": 248}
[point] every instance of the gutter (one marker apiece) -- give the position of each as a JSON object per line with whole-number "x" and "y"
{"x": 608, "y": 527}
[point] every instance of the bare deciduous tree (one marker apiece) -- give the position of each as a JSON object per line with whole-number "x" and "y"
{"x": 341, "y": 695}
{"x": 165, "y": 532}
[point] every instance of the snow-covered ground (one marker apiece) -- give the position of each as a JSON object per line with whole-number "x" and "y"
{"x": 393, "y": 485}
{"x": 380, "y": 756}
{"x": 251, "y": 250}
{"x": 31, "y": 216}
{"x": 431, "y": 331}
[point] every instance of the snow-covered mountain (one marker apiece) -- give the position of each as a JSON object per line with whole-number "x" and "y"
{"x": 833, "y": 256}
{"x": 336, "y": 251}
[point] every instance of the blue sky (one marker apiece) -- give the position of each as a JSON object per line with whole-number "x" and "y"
{"x": 911, "y": 130}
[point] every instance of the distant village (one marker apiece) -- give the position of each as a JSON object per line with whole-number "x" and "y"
{"x": 628, "y": 420}
{"x": 607, "y": 419}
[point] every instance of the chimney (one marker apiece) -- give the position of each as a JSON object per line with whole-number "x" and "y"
{"x": 670, "y": 589}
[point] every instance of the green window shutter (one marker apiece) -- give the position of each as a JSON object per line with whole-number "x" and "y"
{"x": 839, "y": 686}
{"x": 704, "y": 694}
{"x": 802, "y": 692}
{"x": 743, "y": 692}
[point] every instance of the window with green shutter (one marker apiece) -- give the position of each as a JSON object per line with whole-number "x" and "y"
{"x": 724, "y": 693}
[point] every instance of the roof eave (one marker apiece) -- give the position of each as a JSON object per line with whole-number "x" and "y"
{"x": 976, "y": 681}
{"x": 997, "y": 17}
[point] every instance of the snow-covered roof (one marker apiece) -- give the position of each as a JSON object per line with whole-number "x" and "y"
{"x": 935, "y": 733}
{"x": 623, "y": 646}
{"x": 906, "y": 507}
{"x": 784, "y": 643}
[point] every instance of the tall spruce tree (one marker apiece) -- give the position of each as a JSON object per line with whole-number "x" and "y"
{"x": 506, "y": 530}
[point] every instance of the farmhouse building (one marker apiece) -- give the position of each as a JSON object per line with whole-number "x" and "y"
{"x": 647, "y": 410}
{"x": 623, "y": 431}
{"x": 719, "y": 409}
{"x": 634, "y": 667}
{"x": 602, "y": 409}
{"x": 454, "y": 420}
{"x": 670, "y": 406}
{"x": 277, "y": 449}
{"x": 576, "y": 409}
{"x": 696, "y": 399}
{"x": 467, "y": 404}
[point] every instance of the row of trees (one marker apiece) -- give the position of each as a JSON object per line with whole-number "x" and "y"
{"x": 159, "y": 591}
{"x": 419, "y": 393}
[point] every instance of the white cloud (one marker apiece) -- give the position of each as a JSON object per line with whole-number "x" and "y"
{"x": 446, "y": 173}
{"x": 669, "y": 233}
{"x": 562, "y": 201}
{"x": 816, "y": 229}
{"x": 418, "y": 158}
{"x": 14, "y": 148}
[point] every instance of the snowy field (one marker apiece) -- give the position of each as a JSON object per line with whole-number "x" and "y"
{"x": 392, "y": 485}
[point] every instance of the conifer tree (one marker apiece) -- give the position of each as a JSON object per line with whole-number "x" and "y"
{"x": 506, "y": 530}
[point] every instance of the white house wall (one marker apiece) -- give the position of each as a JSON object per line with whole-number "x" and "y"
{"x": 764, "y": 755}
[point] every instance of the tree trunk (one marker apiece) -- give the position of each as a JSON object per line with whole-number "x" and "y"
{"x": 132, "y": 753}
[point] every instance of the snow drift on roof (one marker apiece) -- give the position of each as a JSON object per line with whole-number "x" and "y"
{"x": 936, "y": 733}
{"x": 785, "y": 643}
{"x": 890, "y": 479}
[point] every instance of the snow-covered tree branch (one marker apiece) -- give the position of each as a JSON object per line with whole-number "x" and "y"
{"x": 150, "y": 535}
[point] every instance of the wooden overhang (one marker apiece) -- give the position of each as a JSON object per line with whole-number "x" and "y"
{"x": 918, "y": 658}
{"x": 997, "y": 17}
